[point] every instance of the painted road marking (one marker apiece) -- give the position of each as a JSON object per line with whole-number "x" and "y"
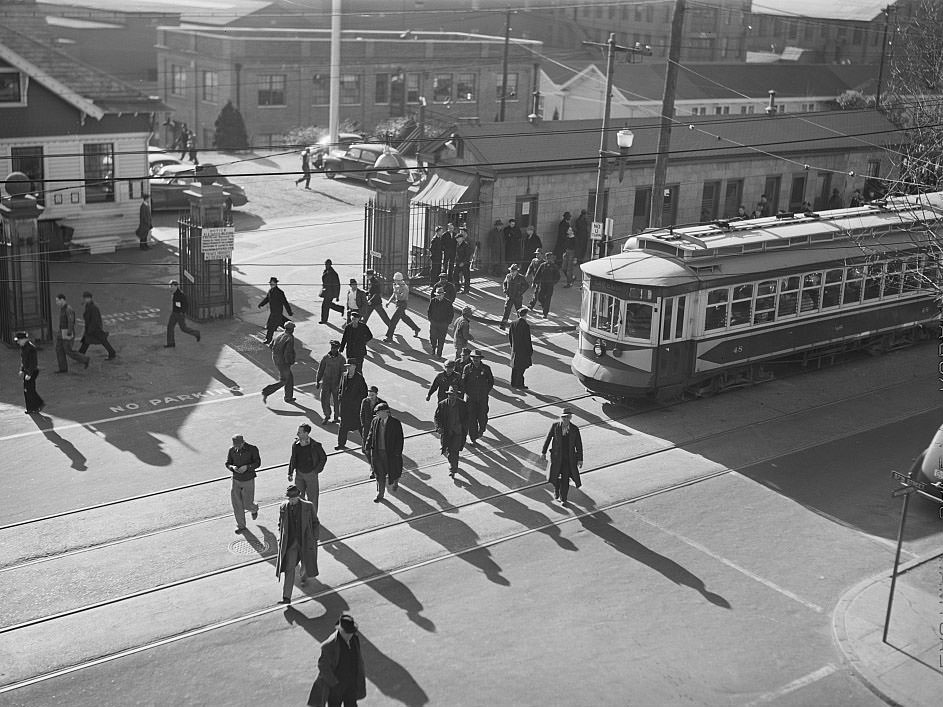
{"x": 812, "y": 677}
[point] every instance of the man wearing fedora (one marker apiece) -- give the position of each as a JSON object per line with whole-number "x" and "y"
{"x": 297, "y": 541}
{"x": 356, "y": 299}
{"x": 451, "y": 424}
{"x": 440, "y": 316}
{"x": 283, "y": 356}
{"x": 330, "y": 369}
{"x": 277, "y": 306}
{"x": 341, "y": 677}
{"x": 330, "y": 291}
{"x": 515, "y": 285}
{"x": 243, "y": 459}
{"x": 29, "y": 371}
{"x": 566, "y": 455}
{"x": 350, "y": 392}
{"x": 384, "y": 448}
{"x": 522, "y": 348}
{"x": 477, "y": 382}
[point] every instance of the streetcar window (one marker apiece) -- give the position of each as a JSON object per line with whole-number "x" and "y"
{"x": 606, "y": 313}
{"x": 852, "y": 294}
{"x": 740, "y": 308}
{"x": 831, "y": 294}
{"x": 912, "y": 279}
{"x": 765, "y": 308}
{"x": 666, "y": 319}
{"x": 788, "y": 297}
{"x": 638, "y": 320}
{"x": 894, "y": 278}
{"x": 679, "y": 320}
{"x": 716, "y": 316}
{"x": 931, "y": 274}
{"x": 872, "y": 283}
{"x": 811, "y": 292}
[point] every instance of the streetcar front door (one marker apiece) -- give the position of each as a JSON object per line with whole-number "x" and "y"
{"x": 674, "y": 357}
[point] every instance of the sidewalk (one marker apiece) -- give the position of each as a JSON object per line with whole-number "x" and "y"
{"x": 908, "y": 669}
{"x": 486, "y": 299}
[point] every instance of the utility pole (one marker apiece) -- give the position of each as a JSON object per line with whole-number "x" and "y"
{"x": 504, "y": 70}
{"x": 333, "y": 119}
{"x": 667, "y": 115}
{"x": 887, "y": 22}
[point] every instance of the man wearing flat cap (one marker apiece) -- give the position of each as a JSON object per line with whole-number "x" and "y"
{"x": 29, "y": 371}
{"x": 384, "y": 448}
{"x": 444, "y": 380}
{"x": 341, "y": 673}
{"x": 330, "y": 369}
{"x": 283, "y": 356}
{"x": 451, "y": 424}
{"x": 178, "y": 316}
{"x": 566, "y": 455}
{"x": 477, "y": 382}
{"x": 440, "y": 315}
{"x": 522, "y": 348}
{"x": 350, "y": 392}
{"x": 355, "y": 339}
{"x": 461, "y": 331}
{"x": 243, "y": 459}
{"x": 297, "y": 541}
{"x": 515, "y": 285}
{"x": 277, "y": 306}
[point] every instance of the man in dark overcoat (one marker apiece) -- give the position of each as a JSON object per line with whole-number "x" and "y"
{"x": 367, "y": 406}
{"x": 448, "y": 249}
{"x": 513, "y": 241}
{"x": 94, "y": 330}
{"x": 522, "y": 348}
{"x": 451, "y": 424}
{"x": 355, "y": 339}
{"x": 145, "y": 222}
{"x": 477, "y": 382}
{"x": 297, "y": 540}
{"x": 330, "y": 291}
{"x": 435, "y": 253}
{"x": 447, "y": 378}
{"x": 341, "y": 672}
{"x": 566, "y": 455}
{"x": 374, "y": 299}
{"x": 29, "y": 371}
{"x": 384, "y": 447}
{"x": 277, "y": 306}
{"x": 351, "y": 392}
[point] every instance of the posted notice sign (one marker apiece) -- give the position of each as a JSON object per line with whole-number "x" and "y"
{"x": 217, "y": 243}
{"x": 596, "y": 233}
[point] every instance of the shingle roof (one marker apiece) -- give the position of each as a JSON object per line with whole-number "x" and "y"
{"x": 28, "y": 37}
{"x": 556, "y": 144}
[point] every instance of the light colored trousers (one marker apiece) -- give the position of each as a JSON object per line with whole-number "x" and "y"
{"x": 243, "y": 499}
{"x": 308, "y": 485}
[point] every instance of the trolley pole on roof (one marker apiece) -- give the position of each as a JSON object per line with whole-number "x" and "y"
{"x": 667, "y": 115}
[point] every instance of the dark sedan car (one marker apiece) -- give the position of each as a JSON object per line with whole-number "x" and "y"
{"x": 168, "y": 187}
{"x": 358, "y": 161}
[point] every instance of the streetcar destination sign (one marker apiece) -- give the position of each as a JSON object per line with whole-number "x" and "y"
{"x": 907, "y": 481}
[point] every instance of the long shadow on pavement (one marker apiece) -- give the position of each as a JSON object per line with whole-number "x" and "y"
{"x": 66, "y": 447}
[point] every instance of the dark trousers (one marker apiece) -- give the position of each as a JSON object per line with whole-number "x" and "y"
{"x": 271, "y": 325}
{"x": 329, "y": 397}
{"x": 400, "y": 315}
{"x": 285, "y": 378}
{"x": 435, "y": 267}
{"x": 561, "y": 487}
{"x": 477, "y": 417}
{"x": 452, "y": 443}
{"x": 544, "y": 296}
{"x": 178, "y": 319}
{"x": 462, "y": 272}
{"x": 379, "y": 309}
{"x": 30, "y": 396}
{"x": 511, "y": 305}
{"x": 342, "y": 435}
{"x": 380, "y": 464}
{"x": 103, "y": 340}
{"x": 326, "y": 306}
{"x": 448, "y": 264}
{"x": 437, "y": 333}
{"x": 306, "y": 178}
{"x": 517, "y": 377}
{"x": 341, "y": 699}
{"x": 63, "y": 350}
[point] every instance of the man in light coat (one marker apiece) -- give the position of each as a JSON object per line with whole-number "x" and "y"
{"x": 341, "y": 671}
{"x": 332, "y": 367}
{"x": 283, "y": 356}
{"x": 297, "y": 541}
{"x": 461, "y": 331}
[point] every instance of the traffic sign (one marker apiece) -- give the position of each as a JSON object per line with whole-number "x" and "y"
{"x": 376, "y": 254}
{"x": 903, "y": 491}
{"x": 907, "y": 481}
{"x": 596, "y": 233}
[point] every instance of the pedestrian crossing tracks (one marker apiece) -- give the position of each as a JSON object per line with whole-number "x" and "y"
{"x": 434, "y": 521}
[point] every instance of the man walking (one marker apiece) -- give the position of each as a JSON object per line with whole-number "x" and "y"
{"x": 145, "y": 222}
{"x": 400, "y": 297}
{"x": 531, "y": 274}
{"x": 566, "y": 455}
{"x": 341, "y": 674}
{"x": 477, "y": 382}
{"x": 355, "y": 339}
{"x": 330, "y": 291}
{"x": 305, "y": 169}
{"x": 283, "y": 356}
{"x": 330, "y": 370}
{"x": 297, "y": 541}
{"x": 547, "y": 275}
{"x": 29, "y": 372}
{"x": 94, "y": 332}
{"x": 306, "y": 462}
{"x": 444, "y": 380}
{"x": 367, "y": 407}
{"x": 440, "y": 314}
{"x": 451, "y": 424}
{"x": 447, "y": 287}
{"x": 351, "y": 392}
{"x": 65, "y": 337}
{"x": 243, "y": 459}
{"x": 461, "y": 331}
{"x": 356, "y": 299}
{"x": 277, "y": 306}
{"x": 531, "y": 244}
{"x": 384, "y": 448}
{"x": 374, "y": 299}
{"x": 515, "y": 285}
{"x": 178, "y": 316}
{"x": 522, "y": 348}
{"x": 568, "y": 251}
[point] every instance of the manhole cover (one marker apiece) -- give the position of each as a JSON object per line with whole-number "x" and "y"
{"x": 248, "y": 547}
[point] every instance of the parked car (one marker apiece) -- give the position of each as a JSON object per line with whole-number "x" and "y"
{"x": 358, "y": 161}
{"x": 323, "y": 147}
{"x": 168, "y": 187}
{"x": 157, "y": 159}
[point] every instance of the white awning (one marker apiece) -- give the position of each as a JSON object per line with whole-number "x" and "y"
{"x": 445, "y": 191}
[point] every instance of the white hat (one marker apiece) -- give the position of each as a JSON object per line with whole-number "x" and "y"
{"x": 398, "y": 276}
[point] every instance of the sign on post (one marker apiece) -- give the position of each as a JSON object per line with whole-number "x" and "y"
{"x": 376, "y": 254}
{"x": 596, "y": 233}
{"x": 907, "y": 481}
{"x": 217, "y": 243}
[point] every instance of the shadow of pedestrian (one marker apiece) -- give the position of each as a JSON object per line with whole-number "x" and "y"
{"x": 47, "y": 425}
{"x": 600, "y": 525}
{"x": 228, "y": 382}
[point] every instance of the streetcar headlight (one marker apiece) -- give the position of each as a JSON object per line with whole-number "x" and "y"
{"x": 599, "y": 348}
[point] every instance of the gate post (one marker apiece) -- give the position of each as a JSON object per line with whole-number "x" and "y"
{"x": 24, "y": 264}
{"x": 206, "y": 245}
{"x": 386, "y": 246}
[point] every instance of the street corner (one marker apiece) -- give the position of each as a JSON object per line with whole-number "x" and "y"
{"x": 908, "y": 668}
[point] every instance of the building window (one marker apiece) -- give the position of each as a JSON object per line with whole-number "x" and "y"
{"x": 649, "y": 14}
{"x": 178, "y": 80}
{"x": 350, "y": 89}
{"x": 210, "y": 86}
{"x": 272, "y": 89}
{"x": 11, "y": 88}
{"x": 321, "y": 90}
{"x": 638, "y": 13}
{"x": 511, "y": 93}
{"x": 381, "y": 94}
{"x": 466, "y": 87}
{"x": 857, "y": 36}
{"x": 29, "y": 161}
{"x": 442, "y": 88}
{"x": 99, "y": 161}
{"x": 413, "y": 87}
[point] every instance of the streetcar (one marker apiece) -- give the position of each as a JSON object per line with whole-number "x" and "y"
{"x": 696, "y": 310}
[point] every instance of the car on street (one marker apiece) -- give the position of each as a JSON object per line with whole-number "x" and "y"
{"x": 157, "y": 159}
{"x": 324, "y": 147}
{"x": 358, "y": 161}
{"x": 929, "y": 466}
{"x": 167, "y": 189}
